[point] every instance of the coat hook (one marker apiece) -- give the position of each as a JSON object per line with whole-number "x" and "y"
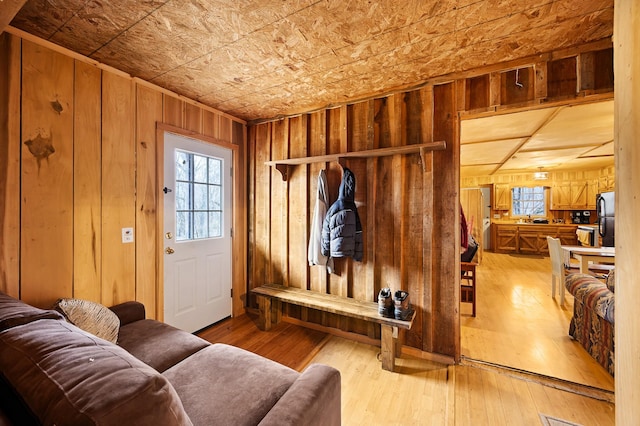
{"x": 517, "y": 78}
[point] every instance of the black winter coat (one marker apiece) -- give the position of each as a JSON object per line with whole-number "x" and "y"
{"x": 342, "y": 230}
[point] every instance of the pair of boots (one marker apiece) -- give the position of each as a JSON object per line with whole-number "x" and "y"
{"x": 397, "y": 307}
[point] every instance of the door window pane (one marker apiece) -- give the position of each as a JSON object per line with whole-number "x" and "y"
{"x": 183, "y": 165}
{"x": 198, "y": 196}
{"x": 215, "y": 199}
{"x": 200, "y": 225}
{"x": 214, "y": 171}
{"x": 183, "y": 225}
{"x": 183, "y": 196}
{"x": 199, "y": 168}
{"x": 215, "y": 223}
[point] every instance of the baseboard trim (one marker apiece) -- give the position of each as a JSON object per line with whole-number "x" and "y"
{"x": 552, "y": 382}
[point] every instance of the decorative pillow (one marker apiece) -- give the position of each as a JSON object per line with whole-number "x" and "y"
{"x": 611, "y": 280}
{"x": 90, "y": 316}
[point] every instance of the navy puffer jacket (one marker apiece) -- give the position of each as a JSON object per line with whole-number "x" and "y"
{"x": 342, "y": 231}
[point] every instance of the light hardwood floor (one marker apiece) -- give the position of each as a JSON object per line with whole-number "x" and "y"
{"x": 518, "y": 324}
{"x": 421, "y": 392}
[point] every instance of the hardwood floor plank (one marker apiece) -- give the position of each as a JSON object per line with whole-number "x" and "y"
{"x": 518, "y": 324}
{"x": 287, "y": 344}
{"x": 423, "y": 392}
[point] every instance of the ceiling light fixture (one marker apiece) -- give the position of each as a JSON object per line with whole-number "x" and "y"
{"x": 540, "y": 175}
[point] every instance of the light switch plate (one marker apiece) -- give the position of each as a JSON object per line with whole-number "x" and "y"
{"x": 127, "y": 235}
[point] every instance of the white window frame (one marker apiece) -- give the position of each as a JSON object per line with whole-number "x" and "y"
{"x": 530, "y": 199}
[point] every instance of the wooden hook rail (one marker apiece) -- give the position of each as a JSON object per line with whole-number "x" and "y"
{"x": 285, "y": 166}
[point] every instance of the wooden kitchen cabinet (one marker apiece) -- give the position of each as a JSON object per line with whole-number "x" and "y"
{"x": 580, "y": 195}
{"x": 528, "y": 240}
{"x": 592, "y": 191}
{"x": 506, "y": 238}
{"x": 501, "y": 196}
{"x": 606, "y": 183}
{"x": 531, "y": 239}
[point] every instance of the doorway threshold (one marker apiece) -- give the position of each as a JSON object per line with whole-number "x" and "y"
{"x": 552, "y": 382}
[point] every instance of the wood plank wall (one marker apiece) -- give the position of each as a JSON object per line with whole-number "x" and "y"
{"x": 627, "y": 203}
{"x": 78, "y": 163}
{"x": 409, "y": 210}
{"x": 409, "y": 214}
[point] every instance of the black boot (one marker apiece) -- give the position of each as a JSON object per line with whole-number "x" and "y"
{"x": 402, "y": 309}
{"x": 385, "y": 303}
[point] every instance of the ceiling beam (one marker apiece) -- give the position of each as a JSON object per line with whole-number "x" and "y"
{"x": 517, "y": 148}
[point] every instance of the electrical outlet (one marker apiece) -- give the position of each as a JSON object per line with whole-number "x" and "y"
{"x": 127, "y": 235}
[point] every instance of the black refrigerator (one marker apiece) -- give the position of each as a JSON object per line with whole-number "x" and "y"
{"x": 605, "y": 205}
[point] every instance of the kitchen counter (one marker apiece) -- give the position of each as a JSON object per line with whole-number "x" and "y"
{"x": 530, "y": 238}
{"x": 568, "y": 225}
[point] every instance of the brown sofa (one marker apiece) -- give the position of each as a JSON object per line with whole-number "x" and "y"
{"x": 52, "y": 372}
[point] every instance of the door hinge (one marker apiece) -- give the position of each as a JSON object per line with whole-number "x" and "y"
{"x": 231, "y": 292}
{"x": 231, "y": 171}
{"x": 231, "y": 232}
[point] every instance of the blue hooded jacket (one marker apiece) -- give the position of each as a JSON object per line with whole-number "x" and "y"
{"x": 342, "y": 230}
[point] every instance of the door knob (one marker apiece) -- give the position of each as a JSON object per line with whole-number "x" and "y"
{"x": 169, "y": 250}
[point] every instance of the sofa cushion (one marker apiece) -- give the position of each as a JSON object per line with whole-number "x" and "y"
{"x": 68, "y": 376}
{"x": 314, "y": 399}
{"x": 90, "y": 316}
{"x": 14, "y": 312}
{"x": 223, "y": 384}
{"x": 158, "y": 344}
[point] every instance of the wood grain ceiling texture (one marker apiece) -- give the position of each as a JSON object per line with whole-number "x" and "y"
{"x": 270, "y": 58}
{"x": 558, "y": 138}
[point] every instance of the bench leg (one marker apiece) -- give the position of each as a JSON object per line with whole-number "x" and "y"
{"x": 389, "y": 346}
{"x": 264, "y": 322}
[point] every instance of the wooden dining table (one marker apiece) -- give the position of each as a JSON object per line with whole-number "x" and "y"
{"x": 584, "y": 255}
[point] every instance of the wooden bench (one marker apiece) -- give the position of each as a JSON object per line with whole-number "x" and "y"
{"x": 349, "y": 307}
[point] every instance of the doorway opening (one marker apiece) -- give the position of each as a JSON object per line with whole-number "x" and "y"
{"x": 518, "y": 324}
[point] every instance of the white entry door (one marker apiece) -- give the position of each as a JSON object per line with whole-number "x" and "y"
{"x": 197, "y": 232}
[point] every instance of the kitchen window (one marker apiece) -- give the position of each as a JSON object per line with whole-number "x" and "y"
{"x": 528, "y": 201}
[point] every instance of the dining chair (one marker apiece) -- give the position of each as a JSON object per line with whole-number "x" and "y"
{"x": 558, "y": 267}
{"x": 561, "y": 266}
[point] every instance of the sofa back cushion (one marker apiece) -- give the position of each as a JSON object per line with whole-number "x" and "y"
{"x": 14, "y": 312}
{"x": 68, "y": 376}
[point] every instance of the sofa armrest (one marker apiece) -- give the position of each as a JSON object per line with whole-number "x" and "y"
{"x": 129, "y": 312}
{"x": 313, "y": 399}
{"x": 593, "y": 294}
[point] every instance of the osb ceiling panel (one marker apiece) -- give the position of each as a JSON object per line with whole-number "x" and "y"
{"x": 265, "y": 59}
